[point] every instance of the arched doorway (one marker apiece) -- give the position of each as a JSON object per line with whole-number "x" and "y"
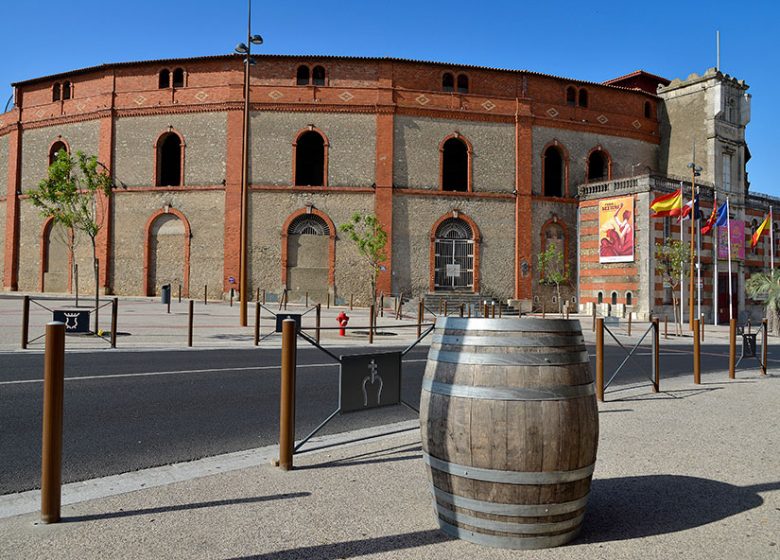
{"x": 167, "y": 253}
{"x": 308, "y": 257}
{"x": 55, "y": 258}
{"x": 454, "y": 256}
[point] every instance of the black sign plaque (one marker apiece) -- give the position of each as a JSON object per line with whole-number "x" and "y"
{"x": 369, "y": 381}
{"x": 749, "y": 345}
{"x": 76, "y": 320}
{"x": 294, "y": 316}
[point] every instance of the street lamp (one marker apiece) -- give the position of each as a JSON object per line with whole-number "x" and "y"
{"x": 246, "y": 50}
{"x": 695, "y": 172}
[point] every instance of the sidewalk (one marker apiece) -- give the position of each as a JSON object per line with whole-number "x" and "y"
{"x": 693, "y": 472}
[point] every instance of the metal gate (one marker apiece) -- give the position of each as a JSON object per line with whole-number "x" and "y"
{"x": 454, "y": 256}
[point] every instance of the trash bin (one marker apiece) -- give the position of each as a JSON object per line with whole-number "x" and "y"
{"x": 165, "y": 295}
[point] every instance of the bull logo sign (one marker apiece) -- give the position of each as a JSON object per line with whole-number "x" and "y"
{"x": 76, "y": 321}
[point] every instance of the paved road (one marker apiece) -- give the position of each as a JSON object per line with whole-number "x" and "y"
{"x": 131, "y": 410}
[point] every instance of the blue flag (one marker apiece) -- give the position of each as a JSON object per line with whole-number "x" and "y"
{"x": 723, "y": 215}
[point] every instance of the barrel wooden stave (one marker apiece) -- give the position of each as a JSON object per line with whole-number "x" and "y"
{"x": 539, "y": 436}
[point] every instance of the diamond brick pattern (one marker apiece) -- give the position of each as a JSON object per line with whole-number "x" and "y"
{"x": 552, "y": 112}
{"x": 346, "y": 96}
{"x": 201, "y": 96}
{"x": 489, "y": 105}
{"x": 602, "y": 119}
{"x": 139, "y": 100}
{"x": 422, "y": 100}
{"x": 636, "y": 124}
{"x": 276, "y": 95}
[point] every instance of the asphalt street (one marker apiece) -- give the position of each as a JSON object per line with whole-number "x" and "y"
{"x": 131, "y": 410}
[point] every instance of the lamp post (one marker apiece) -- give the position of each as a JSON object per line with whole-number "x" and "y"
{"x": 246, "y": 50}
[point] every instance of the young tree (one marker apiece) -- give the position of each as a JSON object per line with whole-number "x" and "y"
{"x": 767, "y": 285}
{"x": 670, "y": 258}
{"x": 552, "y": 270}
{"x": 370, "y": 238}
{"x": 70, "y": 195}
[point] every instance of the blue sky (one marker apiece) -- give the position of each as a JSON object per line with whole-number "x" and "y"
{"x": 592, "y": 41}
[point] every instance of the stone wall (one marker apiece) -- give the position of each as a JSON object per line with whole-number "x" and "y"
{"x": 81, "y": 136}
{"x": 565, "y": 213}
{"x": 417, "y": 155}
{"x": 3, "y": 165}
{"x": 204, "y": 151}
{"x": 2, "y": 237}
{"x": 415, "y": 216}
{"x": 351, "y": 152}
{"x": 203, "y": 210}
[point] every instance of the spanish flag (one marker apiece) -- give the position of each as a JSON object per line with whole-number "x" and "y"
{"x": 667, "y": 205}
{"x": 759, "y": 231}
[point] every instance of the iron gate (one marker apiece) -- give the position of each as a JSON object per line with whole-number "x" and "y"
{"x": 454, "y": 264}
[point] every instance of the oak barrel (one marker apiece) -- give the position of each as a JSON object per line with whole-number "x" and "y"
{"x": 509, "y": 428}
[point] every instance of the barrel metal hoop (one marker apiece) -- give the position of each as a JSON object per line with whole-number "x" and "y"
{"x": 514, "y": 359}
{"x": 512, "y": 510}
{"x": 508, "y": 526}
{"x": 509, "y": 477}
{"x": 556, "y": 326}
{"x": 517, "y": 341}
{"x": 552, "y": 393}
{"x": 517, "y": 543}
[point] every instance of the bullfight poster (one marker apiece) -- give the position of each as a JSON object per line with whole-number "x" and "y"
{"x": 616, "y": 230}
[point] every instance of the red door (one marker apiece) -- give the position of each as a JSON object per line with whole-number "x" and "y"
{"x": 723, "y": 297}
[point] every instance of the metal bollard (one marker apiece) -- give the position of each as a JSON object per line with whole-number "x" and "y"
{"x": 51, "y": 452}
{"x": 600, "y": 359}
{"x": 287, "y": 396}
{"x": 206, "y": 294}
{"x": 696, "y": 353}
{"x": 317, "y": 318}
{"x": 25, "y": 321}
{"x": 764, "y": 342}
{"x": 257, "y": 323}
{"x": 179, "y": 293}
{"x": 656, "y": 357}
{"x": 114, "y": 313}
{"x": 732, "y": 348}
{"x": 350, "y": 301}
{"x": 371, "y": 324}
{"x": 190, "y": 322}
{"x": 420, "y": 311}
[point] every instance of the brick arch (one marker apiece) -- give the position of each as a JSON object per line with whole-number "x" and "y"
{"x": 469, "y": 154}
{"x": 58, "y": 140}
{"x": 48, "y": 224}
{"x": 476, "y": 235}
{"x": 325, "y": 147}
{"x": 148, "y": 250}
{"x": 608, "y": 158}
{"x": 543, "y": 239}
{"x": 156, "y": 155}
{"x": 554, "y": 143}
{"x": 331, "y": 243}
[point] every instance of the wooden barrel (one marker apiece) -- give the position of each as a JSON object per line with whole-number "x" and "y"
{"x": 509, "y": 429}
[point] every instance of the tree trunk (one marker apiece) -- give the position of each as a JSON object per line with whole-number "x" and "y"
{"x": 95, "y": 266}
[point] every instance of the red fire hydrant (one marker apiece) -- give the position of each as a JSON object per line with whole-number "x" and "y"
{"x": 343, "y": 319}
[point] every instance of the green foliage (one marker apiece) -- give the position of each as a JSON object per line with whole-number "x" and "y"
{"x": 767, "y": 285}
{"x": 365, "y": 231}
{"x": 551, "y": 266}
{"x": 671, "y": 257}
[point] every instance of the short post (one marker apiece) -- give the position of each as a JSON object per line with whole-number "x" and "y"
{"x": 287, "y": 396}
{"x": 25, "y": 321}
{"x": 382, "y": 304}
{"x": 190, "y": 322}
{"x": 461, "y": 309}
{"x": 439, "y": 307}
{"x": 702, "y": 322}
{"x": 169, "y": 303}
{"x": 257, "y": 323}
{"x": 567, "y": 310}
{"x": 263, "y": 296}
{"x": 499, "y": 311}
{"x": 485, "y": 311}
{"x": 666, "y": 327}
{"x": 420, "y": 311}
{"x": 656, "y": 357}
{"x": 696, "y": 353}
{"x": 594, "y": 317}
{"x": 446, "y": 312}
{"x": 51, "y": 452}
{"x": 328, "y": 300}
{"x": 317, "y": 318}
{"x": 493, "y": 310}
{"x": 206, "y": 294}
{"x": 732, "y": 348}
{"x": 231, "y": 297}
{"x": 400, "y": 314}
{"x": 544, "y": 308}
{"x": 307, "y": 299}
{"x": 371, "y": 324}
{"x": 764, "y": 341}
{"x": 285, "y": 297}
{"x": 629, "y": 324}
{"x": 600, "y": 359}
{"x": 350, "y": 301}
{"x": 114, "y": 312}
{"x": 469, "y": 312}
{"x": 179, "y": 293}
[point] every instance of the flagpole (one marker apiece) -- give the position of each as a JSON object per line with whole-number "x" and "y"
{"x": 698, "y": 261}
{"x": 693, "y": 248}
{"x": 771, "y": 242}
{"x": 728, "y": 240}
{"x": 682, "y": 268}
{"x": 715, "y": 273}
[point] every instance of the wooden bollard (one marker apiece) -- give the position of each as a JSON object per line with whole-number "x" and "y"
{"x": 206, "y": 294}
{"x": 696, "y": 353}
{"x": 257, "y": 323}
{"x": 371, "y": 324}
{"x": 446, "y": 312}
{"x": 420, "y": 313}
{"x": 25, "y": 321}
{"x": 493, "y": 310}
{"x": 701, "y": 326}
{"x": 764, "y": 342}
{"x": 263, "y": 296}
{"x": 440, "y": 307}
{"x": 469, "y": 311}
{"x": 179, "y": 293}
{"x": 594, "y": 317}
{"x": 499, "y": 310}
{"x": 328, "y": 304}
{"x": 382, "y": 304}
{"x": 287, "y": 396}
{"x": 307, "y": 299}
{"x": 485, "y": 311}
{"x": 191, "y": 323}
{"x": 656, "y": 357}
{"x": 232, "y": 292}
{"x": 732, "y": 348}
{"x": 629, "y": 324}
{"x": 285, "y": 296}
{"x": 600, "y": 359}
{"x": 350, "y": 302}
{"x": 169, "y": 307}
{"x": 114, "y": 313}
{"x": 666, "y": 327}
{"x": 53, "y": 397}
{"x": 317, "y": 319}
{"x": 461, "y": 310}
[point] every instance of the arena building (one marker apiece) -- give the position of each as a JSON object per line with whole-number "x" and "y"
{"x": 472, "y": 172}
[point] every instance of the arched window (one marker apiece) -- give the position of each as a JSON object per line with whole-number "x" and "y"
{"x": 463, "y": 83}
{"x": 648, "y": 110}
{"x": 56, "y": 92}
{"x": 571, "y": 96}
{"x": 553, "y": 172}
{"x": 178, "y": 77}
{"x": 598, "y": 166}
{"x": 57, "y": 147}
{"x": 448, "y": 82}
{"x": 164, "y": 79}
{"x": 318, "y": 76}
{"x": 614, "y": 298}
{"x": 310, "y": 159}
{"x": 629, "y": 298}
{"x": 308, "y": 224}
{"x": 455, "y": 166}
{"x": 66, "y": 90}
{"x": 583, "y": 98}
{"x": 302, "y": 76}
{"x": 454, "y": 255}
{"x": 600, "y": 298}
{"x": 169, "y": 160}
